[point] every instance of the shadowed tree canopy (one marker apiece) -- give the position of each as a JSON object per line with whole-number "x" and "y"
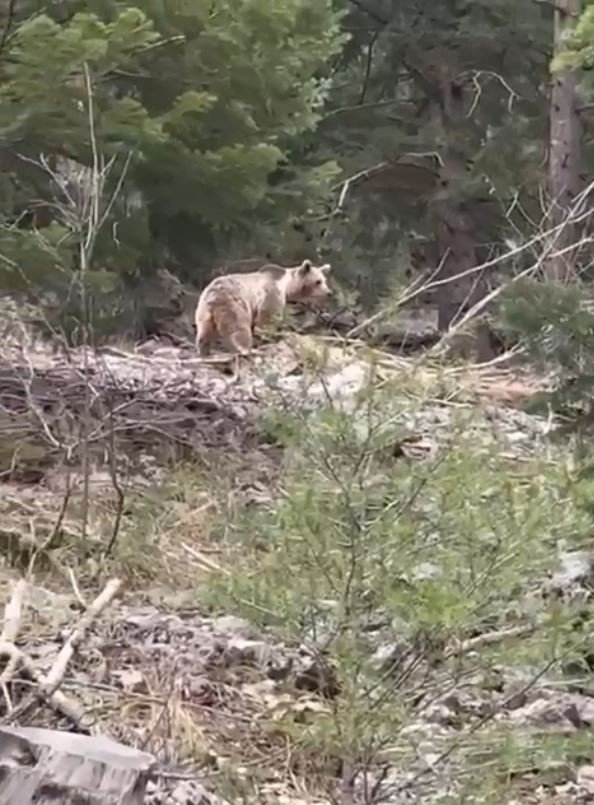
{"x": 203, "y": 99}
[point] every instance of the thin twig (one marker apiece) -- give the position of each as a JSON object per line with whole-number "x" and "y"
{"x": 115, "y": 482}
{"x": 577, "y": 217}
{"x": 75, "y": 588}
{"x": 55, "y": 533}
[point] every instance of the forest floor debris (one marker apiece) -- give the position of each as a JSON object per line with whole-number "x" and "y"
{"x": 199, "y": 693}
{"x": 165, "y": 400}
{"x": 202, "y": 693}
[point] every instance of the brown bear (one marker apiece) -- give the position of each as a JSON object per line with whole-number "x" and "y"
{"x": 232, "y": 306}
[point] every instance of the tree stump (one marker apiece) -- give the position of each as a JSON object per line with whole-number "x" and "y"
{"x": 47, "y": 767}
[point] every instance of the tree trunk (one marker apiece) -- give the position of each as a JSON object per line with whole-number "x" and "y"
{"x": 458, "y": 254}
{"x": 450, "y": 207}
{"x": 564, "y": 148}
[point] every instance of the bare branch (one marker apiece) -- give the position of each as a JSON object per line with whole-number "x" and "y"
{"x": 18, "y": 659}
{"x": 577, "y": 215}
{"x": 55, "y": 677}
{"x": 475, "y": 78}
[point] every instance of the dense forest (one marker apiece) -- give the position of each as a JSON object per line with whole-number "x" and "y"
{"x": 357, "y": 567}
{"x": 392, "y": 139}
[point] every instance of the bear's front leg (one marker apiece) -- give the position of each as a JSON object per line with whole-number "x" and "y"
{"x": 263, "y": 327}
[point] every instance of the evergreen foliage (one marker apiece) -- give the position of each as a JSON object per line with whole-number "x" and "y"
{"x": 203, "y": 99}
{"x": 232, "y": 127}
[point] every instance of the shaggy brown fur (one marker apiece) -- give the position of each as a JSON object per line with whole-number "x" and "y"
{"x": 231, "y": 307}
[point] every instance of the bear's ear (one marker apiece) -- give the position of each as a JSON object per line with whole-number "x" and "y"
{"x": 305, "y": 267}
{"x": 326, "y": 269}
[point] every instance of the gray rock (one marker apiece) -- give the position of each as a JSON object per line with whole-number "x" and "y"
{"x": 165, "y": 791}
{"x": 386, "y": 655}
{"x": 427, "y": 571}
{"x": 559, "y": 712}
{"x": 575, "y": 574}
{"x": 585, "y": 778}
{"x": 240, "y": 651}
{"x": 231, "y": 626}
{"x": 189, "y": 792}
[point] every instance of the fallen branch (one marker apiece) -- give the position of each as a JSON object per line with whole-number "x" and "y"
{"x": 61, "y": 703}
{"x": 204, "y": 560}
{"x": 47, "y": 685}
{"x": 490, "y": 639}
{"x": 57, "y": 672}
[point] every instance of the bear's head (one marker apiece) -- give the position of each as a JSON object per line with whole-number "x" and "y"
{"x": 308, "y": 282}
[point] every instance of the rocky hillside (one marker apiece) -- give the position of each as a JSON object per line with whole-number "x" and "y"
{"x": 349, "y": 577}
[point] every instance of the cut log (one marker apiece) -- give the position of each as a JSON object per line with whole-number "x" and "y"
{"x": 47, "y": 767}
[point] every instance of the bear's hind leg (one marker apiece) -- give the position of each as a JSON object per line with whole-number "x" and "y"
{"x": 205, "y": 332}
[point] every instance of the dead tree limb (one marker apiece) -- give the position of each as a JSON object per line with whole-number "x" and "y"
{"x": 46, "y": 685}
{"x": 55, "y": 677}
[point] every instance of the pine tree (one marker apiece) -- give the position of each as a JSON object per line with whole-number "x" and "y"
{"x": 203, "y": 99}
{"x": 451, "y": 98}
